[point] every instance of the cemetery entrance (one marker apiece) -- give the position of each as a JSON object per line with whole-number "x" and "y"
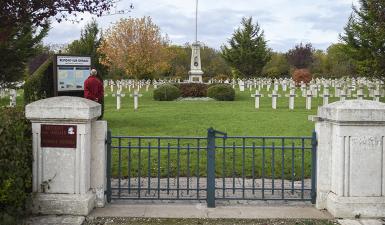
{"x": 216, "y": 167}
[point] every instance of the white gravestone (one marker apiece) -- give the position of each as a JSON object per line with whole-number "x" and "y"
{"x": 309, "y": 96}
{"x": 274, "y": 96}
{"x": 360, "y": 94}
{"x": 118, "y": 96}
{"x": 136, "y": 96}
{"x": 337, "y": 91}
{"x": 112, "y": 86}
{"x": 376, "y": 95}
{"x": 284, "y": 86}
{"x": 241, "y": 85}
{"x": 257, "y": 95}
{"x": 276, "y": 87}
{"x": 292, "y": 97}
{"x": 325, "y": 96}
{"x": 12, "y": 98}
{"x": 343, "y": 95}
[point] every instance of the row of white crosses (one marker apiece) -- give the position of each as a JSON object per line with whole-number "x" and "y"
{"x": 119, "y": 95}
{"x": 309, "y": 95}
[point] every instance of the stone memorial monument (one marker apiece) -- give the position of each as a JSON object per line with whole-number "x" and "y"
{"x": 195, "y": 73}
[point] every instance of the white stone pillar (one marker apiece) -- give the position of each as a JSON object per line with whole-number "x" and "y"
{"x": 350, "y": 158}
{"x": 63, "y": 149}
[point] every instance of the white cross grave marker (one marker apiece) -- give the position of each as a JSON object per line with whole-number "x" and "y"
{"x": 376, "y": 95}
{"x": 309, "y": 96}
{"x": 136, "y": 96}
{"x": 343, "y": 95}
{"x": 360, "y": 94}
{"x": 12, "y": 98}
{"x": 325, "y": 96}
{"x": 118, "y": 96}
{"x": 257, "y": 95}
{"x": 241, "y": 85}
{"x": 274, "y": 97}
{"x": 112, "y": 86}
{"x": 291, "y": 96}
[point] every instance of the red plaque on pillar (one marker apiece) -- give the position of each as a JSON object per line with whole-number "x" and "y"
{"x": 58, "y": 136}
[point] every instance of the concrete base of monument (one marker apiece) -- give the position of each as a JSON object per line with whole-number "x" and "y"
{"x": 63, "y": 204}
{"x": 195, "y": 78}
{"x": 356, "y": 207}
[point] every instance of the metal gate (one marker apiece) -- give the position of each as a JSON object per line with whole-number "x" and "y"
{"x": 216, "y": 167}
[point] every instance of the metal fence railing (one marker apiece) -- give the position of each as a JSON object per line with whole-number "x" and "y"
{"x": 211, "y": 168}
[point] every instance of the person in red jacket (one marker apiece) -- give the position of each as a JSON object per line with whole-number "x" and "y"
{"x": 93, "y": 88}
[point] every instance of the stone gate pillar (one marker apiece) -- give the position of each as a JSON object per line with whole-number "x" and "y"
{"x": 351, "y": 158}
{"x": 66, "y": 146}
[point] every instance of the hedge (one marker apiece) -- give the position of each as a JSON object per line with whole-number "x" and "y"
{"x": 40, "y": 84}
{"x": 221, "y": 92}
{"x": 166, "y": 92}
{"x": 15, "y": 165}
{"x": 193, "y": 90}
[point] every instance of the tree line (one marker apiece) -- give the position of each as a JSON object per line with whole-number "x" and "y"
{"x": 136, "y": 48}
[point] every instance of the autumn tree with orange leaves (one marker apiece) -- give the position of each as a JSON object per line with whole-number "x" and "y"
{"x": 136, "y": 46}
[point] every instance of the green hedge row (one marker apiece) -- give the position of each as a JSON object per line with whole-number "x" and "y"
{"x": 15, "y": 164}
{"x": 40, "y": 84}
{"x": 193, "y": 90}
{"x": 220, "y": 92}
{"x": 166, "y": 92}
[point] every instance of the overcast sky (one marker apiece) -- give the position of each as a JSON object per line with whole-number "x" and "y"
{"x": 285, "y": 22}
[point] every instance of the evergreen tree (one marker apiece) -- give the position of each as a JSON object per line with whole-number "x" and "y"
{"x": 15, "y": 51}
{"x": 365, "y": 38}
{"x": 247, "y": 52}
{"x": 88, "y": 44}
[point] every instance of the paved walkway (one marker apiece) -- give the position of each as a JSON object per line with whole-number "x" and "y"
{"x": 201, "y": 211}
{"x": 362, "y": 222}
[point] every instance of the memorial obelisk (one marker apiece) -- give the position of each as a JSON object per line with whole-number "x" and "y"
{"x": 195, "y": 73}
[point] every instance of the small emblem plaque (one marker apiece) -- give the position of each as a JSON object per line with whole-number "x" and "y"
{"x": 58, "y": 136}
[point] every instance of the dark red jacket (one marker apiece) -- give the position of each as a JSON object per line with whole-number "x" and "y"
{"x": 93, "y": 89}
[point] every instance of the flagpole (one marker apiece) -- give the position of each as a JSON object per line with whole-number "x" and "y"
{"x": 196, "y": 22}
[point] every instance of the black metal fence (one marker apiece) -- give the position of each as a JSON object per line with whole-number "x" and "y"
{"x": 211, "y": 168}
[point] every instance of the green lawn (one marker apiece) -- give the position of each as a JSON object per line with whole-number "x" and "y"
{"x": 192, "y": 118}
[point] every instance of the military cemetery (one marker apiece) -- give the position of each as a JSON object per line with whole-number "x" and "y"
{"x": 182, "y": 119}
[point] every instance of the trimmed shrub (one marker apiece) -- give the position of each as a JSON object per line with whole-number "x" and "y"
{"x": 193, "y": 90}
{"x": 302, "y": 75}
{"x": 166, "y": 92}
{"x": 15, "y": 165}
{"x": 221, "y": 92}
{"x": 221, "y": 77}
{"x": 40, "y": 84}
